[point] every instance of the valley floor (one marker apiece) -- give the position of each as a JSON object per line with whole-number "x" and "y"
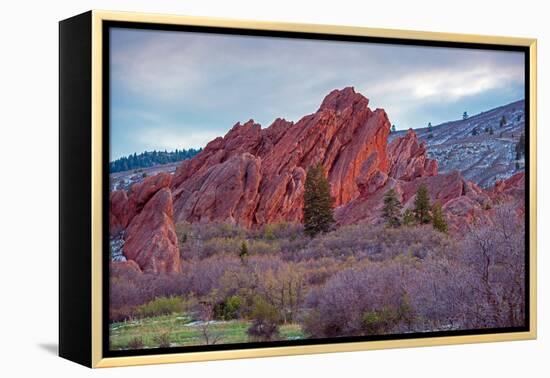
{"x": 183, "y": 330}
{"x": 239, "y": 285}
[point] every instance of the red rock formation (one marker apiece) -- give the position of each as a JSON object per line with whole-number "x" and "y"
{"x": 272, "y": 135}
{"x": 368, "y": 206}
{"x": 270, "y": 165}
{"x": 143, "y": 191}
{"x": 254, "y": 176}
{"x": 124, "y": 268}
{"x": 227, "y": 191}
{"x": 512, "y": 187}
{"x": 146, "y": 217}
{"x": 408, "y": 159}
{"x": 150, "y": 239}
{"x": 119, "y": 211}
{"x": 442, "y": 188}
{"x": 409, "y": 168}
{"x": 241, "y": 138}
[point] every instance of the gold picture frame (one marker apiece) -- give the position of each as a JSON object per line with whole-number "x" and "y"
{"x": 95, "y": 20}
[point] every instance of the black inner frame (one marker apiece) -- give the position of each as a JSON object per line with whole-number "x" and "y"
{"x": 107, "y": 25}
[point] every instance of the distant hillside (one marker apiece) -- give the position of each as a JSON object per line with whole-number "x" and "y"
{"x": 150, "y": 158}
{"x": 482, "y": 149}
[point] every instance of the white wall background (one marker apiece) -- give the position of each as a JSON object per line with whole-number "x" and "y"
{"x": 29, "y": 175}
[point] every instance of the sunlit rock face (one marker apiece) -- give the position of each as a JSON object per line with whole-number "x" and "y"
{"x": 254, "y": 176}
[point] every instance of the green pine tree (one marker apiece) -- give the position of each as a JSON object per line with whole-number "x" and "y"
{"x": 503, "y": 121}
{"x": 422, "y": 205}
{"x": 393, "y": 129}
{"x": 430, "y": 129}
{"x": 243, "y": 253}
{"x": 408, "y": 218}
{"x": 318, "y": 203}
{"x": 438, "y": 219}
{"x": 392, "y": 209}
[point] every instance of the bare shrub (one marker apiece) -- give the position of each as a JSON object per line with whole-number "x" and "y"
{"x": 206, "y": 313}
{"x": 284, "y": 288}
{"x": 495, "y": 255}
{"x": 160, "y": 306}
{"x": 350, "y": 303}
{"x": 355, "y": 280}
{"x": 162, "y": 339}
{"x": 203, "y": 276}
{"x": 479, "y": 282}
{"x": 265, "y": 324}
{"x": 119, "y": 314}
{"x": 203, "y": 240}
{"x": 377, "y": 243}
{"x": 136, "y": 343}
{"x": 281, "y": 230}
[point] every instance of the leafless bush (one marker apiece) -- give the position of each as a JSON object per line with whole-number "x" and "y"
{"x": 339, "y": 308}
{"x": 356, "y": 280}
{"x": 162, "y": 339}
{"x": 209, "y": 335}
{"x": 265, "y": 324}
{"x": 136, "y": 343}
{"x": 495, "y": 255}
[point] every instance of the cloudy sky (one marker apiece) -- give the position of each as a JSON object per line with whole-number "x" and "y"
{"x": 179, "y": 90}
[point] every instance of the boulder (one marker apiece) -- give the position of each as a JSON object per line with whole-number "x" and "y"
{"x": 143, "y": 217}
{"x": 150, "y": 238}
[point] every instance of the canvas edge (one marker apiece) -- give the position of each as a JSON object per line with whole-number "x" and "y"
{"x": 74, "y": 275}
{"x": 97, "y": 179}
{"x": 98, "y": 16}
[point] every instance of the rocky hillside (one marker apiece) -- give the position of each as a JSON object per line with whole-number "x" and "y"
{"x": 253, "y": 176}
{"x": 479, "y": 147}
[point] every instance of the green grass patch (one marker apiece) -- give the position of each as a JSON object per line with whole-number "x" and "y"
{"x": 184, "y": 331}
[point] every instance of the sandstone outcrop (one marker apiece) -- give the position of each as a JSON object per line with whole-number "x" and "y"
{"x": 145, "y": 216}
{"x": 253, "y": 176}
{"x": 140, "y": 193}
{"x": 408, "y": 159}
{"x": 150, "y": 238}
{"x": 119, "y": 211}
{"x": 514, "y": 186}
{"x": 262, "y": 171}
{"x": 409, "y": 167}
{"x": 225, "y": 191}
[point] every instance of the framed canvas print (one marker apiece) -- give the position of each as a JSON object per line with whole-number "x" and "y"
{"x": 235, "y": 189}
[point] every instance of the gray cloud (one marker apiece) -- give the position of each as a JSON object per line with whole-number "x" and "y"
{"x": 189, "y": 86}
